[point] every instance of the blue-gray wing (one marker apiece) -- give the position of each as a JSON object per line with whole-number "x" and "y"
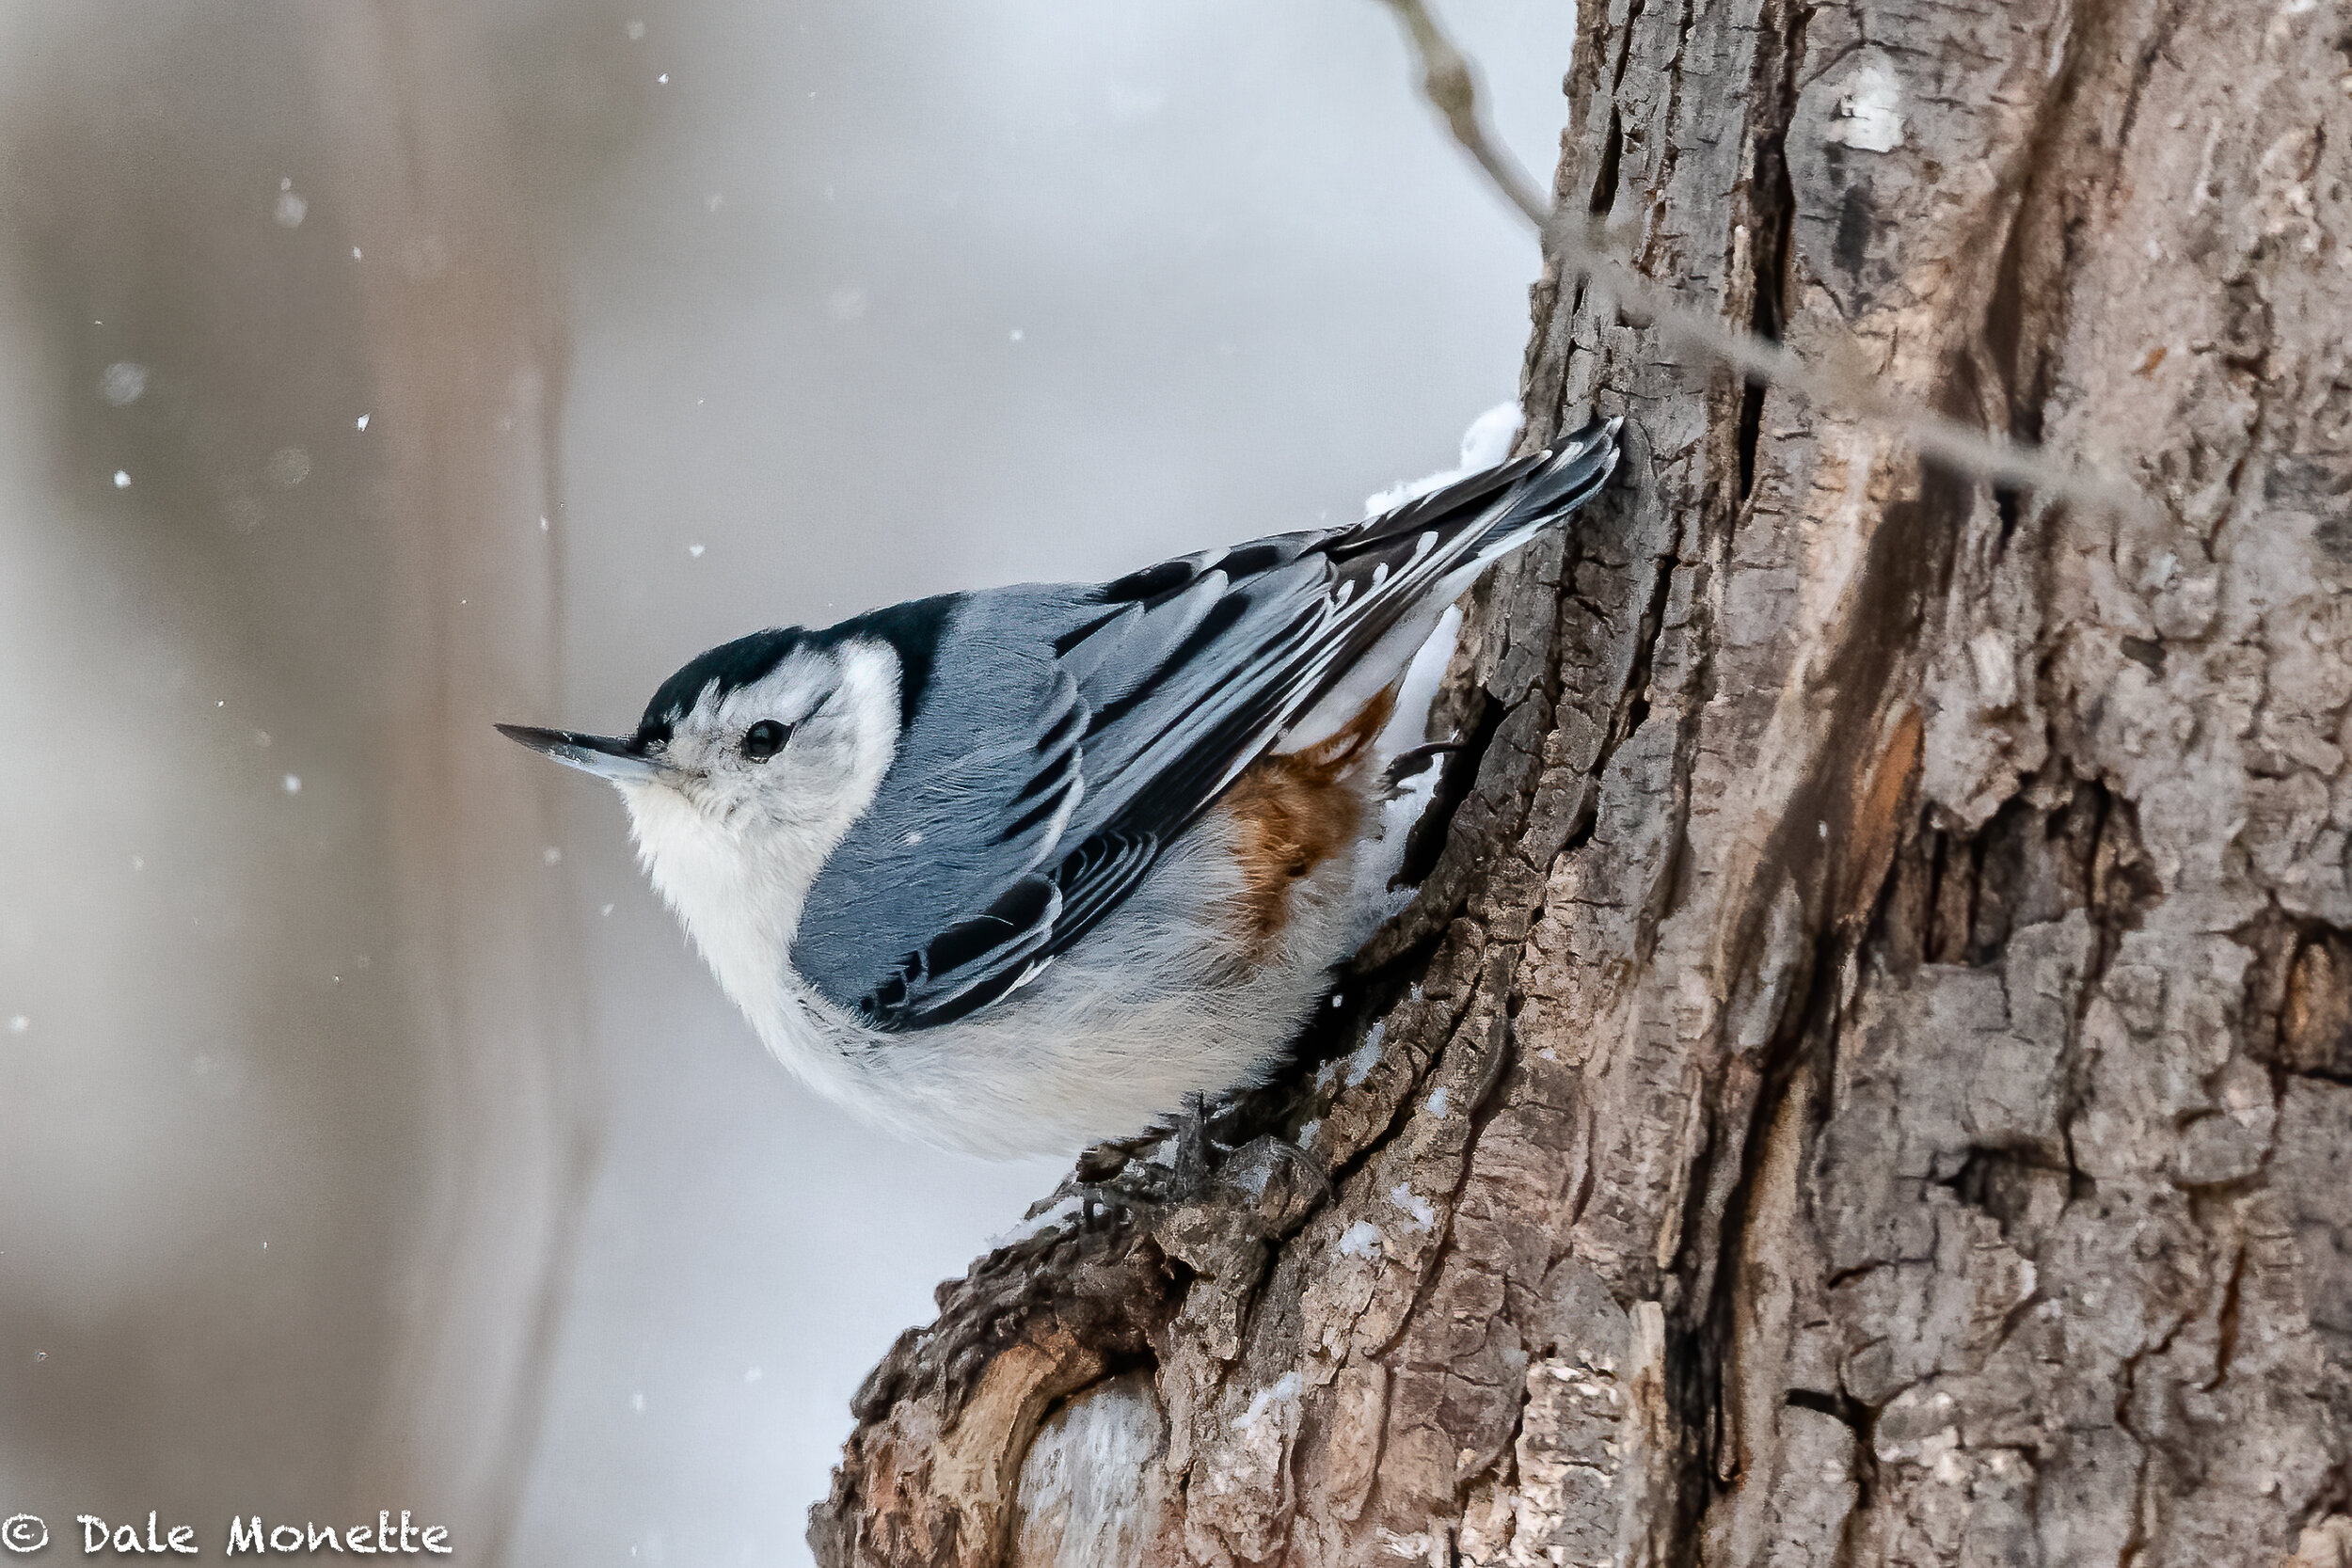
{"x": 1069, "y": 733}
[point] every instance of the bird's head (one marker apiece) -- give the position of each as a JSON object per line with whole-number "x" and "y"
{"x": 750, "y": 763}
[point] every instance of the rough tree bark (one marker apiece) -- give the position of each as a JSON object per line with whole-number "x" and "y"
{"x": 1869, "y": 1076}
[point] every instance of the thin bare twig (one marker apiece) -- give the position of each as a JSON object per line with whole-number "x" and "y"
{"x": 1582, "y": 247}
{"x": 1451, "y": 85}
{"x": 1450, "y": 82}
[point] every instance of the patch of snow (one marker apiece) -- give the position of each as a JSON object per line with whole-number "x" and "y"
{"x": 1424, "y": 1215}
{"x": 1044, "y": 1219}
{"x": 1865, "y": 119}
{"x": 294, "y": 784}
{"x": 1437, "y": 1103}
{"x": 1283, "y": 1391}
{"x": 1252, "y": 1177}
{"x": 1360, "y": 1240}
{"x": 1361, "y": 1060}
{"x": 1485, "y": 443}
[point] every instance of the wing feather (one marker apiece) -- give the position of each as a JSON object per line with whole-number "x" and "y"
{"x": 1162, "y": 689}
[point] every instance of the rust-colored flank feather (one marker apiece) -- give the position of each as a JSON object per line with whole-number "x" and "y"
{"x": 1293, "y": 812}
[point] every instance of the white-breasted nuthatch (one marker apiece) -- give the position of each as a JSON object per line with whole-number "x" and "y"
{"x": 1020, "y": 870}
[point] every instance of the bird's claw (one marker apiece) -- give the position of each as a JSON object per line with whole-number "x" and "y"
{"x": 1411, "y": 765}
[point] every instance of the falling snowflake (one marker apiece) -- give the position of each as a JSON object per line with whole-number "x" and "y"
{"x": 287, "y": 467}
{"x": 121, "y": 383}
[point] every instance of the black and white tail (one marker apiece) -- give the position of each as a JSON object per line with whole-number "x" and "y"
{"x": 1397, "y": 572}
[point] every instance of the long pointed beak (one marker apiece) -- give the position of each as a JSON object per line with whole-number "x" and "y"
{"x": 608, "y": 756}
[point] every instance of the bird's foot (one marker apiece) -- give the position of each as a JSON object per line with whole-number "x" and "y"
{"x": 1194, "y": 1151}
{"x": 1164, "y": 1167}
{"x": 1185, "y": 1166}
{"x": 1406, "y": 766}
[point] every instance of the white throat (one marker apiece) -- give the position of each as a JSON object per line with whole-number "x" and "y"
{"x": 739, "y": 880}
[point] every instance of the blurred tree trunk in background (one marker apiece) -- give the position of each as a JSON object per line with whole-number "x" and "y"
{"x": 467, "y": 345}
{"x": 308, "y": 1108}
{"x": 1869, "y": 1075}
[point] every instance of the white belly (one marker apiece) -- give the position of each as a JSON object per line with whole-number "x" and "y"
{"x": 1162, "y": 1000}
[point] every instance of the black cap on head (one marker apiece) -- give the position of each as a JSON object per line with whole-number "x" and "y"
{"x": 913, "y": 630}
{"x": 729, "y": 665}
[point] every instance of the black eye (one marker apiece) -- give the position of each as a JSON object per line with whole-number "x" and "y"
{"x": 765, "y": 739}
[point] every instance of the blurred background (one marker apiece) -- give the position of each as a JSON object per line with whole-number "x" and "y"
{"x": 368, "y": 1136}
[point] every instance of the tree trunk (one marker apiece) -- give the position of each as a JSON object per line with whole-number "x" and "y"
{"x": 348, "y": 1020}
{"x": 467, "y": 358}
{"x": 1868, "y": 1077}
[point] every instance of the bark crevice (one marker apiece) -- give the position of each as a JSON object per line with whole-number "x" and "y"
{"x": 1869, "y": 1075}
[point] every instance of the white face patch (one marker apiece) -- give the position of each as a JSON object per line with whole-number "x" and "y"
{"x": 732, "y": 841}
{"x": 839, "y": 708}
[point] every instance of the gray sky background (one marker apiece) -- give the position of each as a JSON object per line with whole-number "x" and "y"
{"x": 866, "y": 301}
